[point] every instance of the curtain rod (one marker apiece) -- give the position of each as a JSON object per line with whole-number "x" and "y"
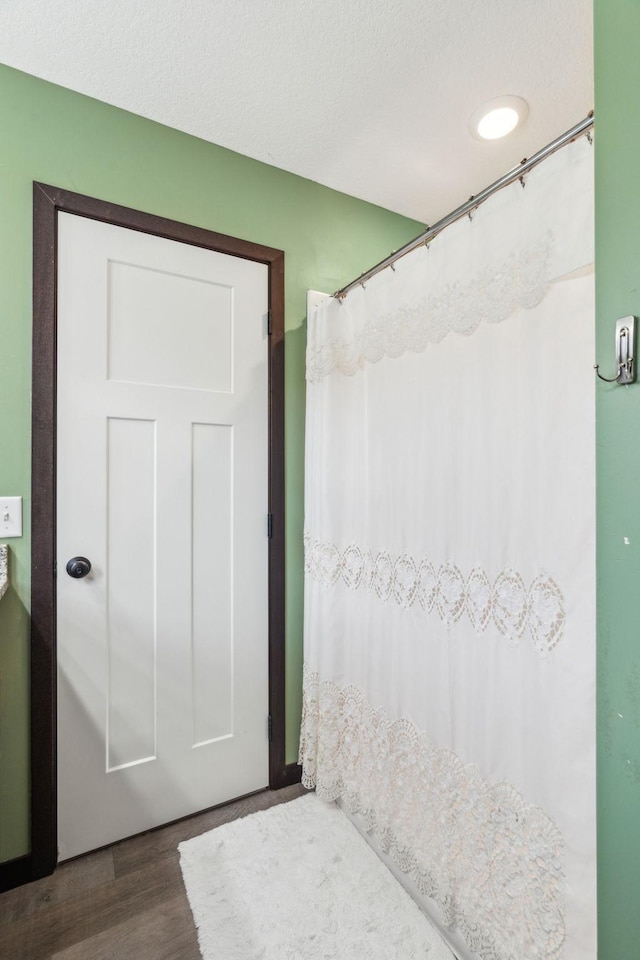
{"x": 472, "y": 203}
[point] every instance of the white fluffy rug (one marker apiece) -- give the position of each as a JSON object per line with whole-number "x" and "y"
{"x": 298, "y": 882}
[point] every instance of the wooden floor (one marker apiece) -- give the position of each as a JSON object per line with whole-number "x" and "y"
{"x": 126, "y": 902}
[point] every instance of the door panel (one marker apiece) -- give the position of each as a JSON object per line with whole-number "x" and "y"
{"x": 212, "y": 595}
{"x": 163, "y": 484}
{"x": 147, "y": 345}
{"x": 131, "y": 586}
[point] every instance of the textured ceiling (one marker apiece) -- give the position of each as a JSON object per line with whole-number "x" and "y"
{"x": 371, "y": 97}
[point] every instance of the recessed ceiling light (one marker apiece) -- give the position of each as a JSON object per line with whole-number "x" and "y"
{"x": 498, "y": 117}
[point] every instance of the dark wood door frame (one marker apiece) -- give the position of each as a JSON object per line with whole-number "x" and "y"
{"x": 47, "y": 201}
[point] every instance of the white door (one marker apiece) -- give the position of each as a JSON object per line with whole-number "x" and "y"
{"x": 162, "y": 485}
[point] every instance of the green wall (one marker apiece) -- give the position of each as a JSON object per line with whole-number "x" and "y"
{"x": 59, "y": 137}
{"x": 617, "y": 143}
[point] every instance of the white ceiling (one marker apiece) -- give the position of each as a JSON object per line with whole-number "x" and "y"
{"x": 371, "y": 97}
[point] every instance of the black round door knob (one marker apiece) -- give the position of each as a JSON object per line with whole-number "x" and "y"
{"x": 78, "y": 567}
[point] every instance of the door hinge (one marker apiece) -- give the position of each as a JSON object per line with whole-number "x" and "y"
{"x": 270, "y": 728}
{"x": 269, "y": 323}
{"x": 269, "y": 525}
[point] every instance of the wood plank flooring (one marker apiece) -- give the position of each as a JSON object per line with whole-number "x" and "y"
{"x": 126, "y": 902}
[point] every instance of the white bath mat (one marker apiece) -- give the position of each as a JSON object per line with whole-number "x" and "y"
{"x": 298, "y": 882}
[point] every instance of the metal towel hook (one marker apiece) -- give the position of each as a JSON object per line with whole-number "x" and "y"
{"x": 615, "y": 379}
{"x": 625, "y": 352}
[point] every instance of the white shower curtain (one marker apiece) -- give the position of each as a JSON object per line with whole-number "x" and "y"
{"x": 450, "y": 566}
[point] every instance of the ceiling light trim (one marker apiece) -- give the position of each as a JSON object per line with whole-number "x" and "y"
{"x": 498, "y": 117}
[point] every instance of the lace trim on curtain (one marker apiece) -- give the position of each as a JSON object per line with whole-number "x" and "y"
{"x": 507, "y": 602}
{"x": 492, "y": 862}
{"x": 521, "y": 281}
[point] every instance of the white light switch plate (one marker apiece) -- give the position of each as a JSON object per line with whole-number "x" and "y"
{"x": 10, "y": 517}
